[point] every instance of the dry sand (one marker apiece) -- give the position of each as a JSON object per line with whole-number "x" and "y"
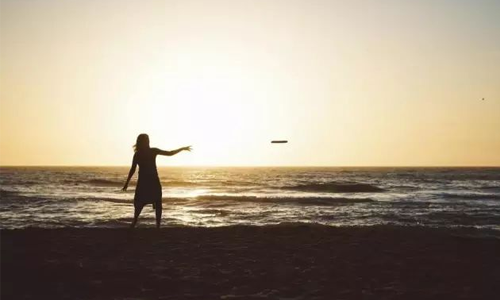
{"x": 277, "y": 262}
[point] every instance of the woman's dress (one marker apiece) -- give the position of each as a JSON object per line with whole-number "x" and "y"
{"x": 148, "y": 190}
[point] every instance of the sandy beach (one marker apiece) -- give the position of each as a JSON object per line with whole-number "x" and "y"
{"x": 274, "y": 262}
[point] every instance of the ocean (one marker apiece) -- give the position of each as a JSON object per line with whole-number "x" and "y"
{"x": 51, "y": 197}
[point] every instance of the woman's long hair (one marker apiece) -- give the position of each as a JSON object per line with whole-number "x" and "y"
{"x": 142, "y": 143}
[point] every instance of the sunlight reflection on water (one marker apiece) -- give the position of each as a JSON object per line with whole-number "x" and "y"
{"x": 59, "y": 197}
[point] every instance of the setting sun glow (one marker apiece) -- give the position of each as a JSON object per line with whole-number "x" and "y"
{"x": 347, "y": 83}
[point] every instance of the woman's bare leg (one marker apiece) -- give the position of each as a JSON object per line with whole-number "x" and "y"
{"x": 137, "y": 212}
{"x": 158, "y": 210}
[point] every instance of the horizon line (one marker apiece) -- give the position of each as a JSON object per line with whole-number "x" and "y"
{"x": 261, "y": 166}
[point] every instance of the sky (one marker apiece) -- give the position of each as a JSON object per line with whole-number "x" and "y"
{"x": 347, "y": 83}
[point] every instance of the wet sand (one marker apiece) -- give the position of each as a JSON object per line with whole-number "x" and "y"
{"x": 276, "y": 262}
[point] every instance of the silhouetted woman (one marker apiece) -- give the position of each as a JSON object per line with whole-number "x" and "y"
{"x": 148, "y": 190}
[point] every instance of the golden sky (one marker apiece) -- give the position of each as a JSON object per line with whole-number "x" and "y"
{"x": 348, "y": 83}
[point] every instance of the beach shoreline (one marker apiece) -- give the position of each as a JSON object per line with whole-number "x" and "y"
{"x": 292, "y": 261}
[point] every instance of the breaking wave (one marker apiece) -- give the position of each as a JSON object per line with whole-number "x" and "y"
{"x": 333, "y": 187}
{"x": 117, "y": 183}
{"x": 178, "y": 183}
{"x": 470, "y": 196}
{"x": 287, "y": 200}
{"x": 104, "y": 182}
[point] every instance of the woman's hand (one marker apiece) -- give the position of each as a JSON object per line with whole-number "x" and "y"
{"x": 188, "y": 148}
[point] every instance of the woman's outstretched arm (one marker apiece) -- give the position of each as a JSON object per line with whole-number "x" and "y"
{"x": 173, "y": 152}
{"x": 130, "y": 173}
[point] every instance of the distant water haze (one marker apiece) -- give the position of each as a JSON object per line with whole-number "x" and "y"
{"x": 351, "y": 83}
